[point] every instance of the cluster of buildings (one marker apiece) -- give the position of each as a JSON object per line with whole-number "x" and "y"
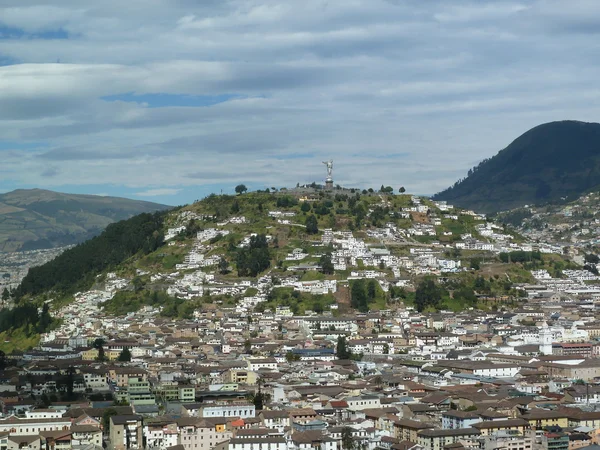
{"x": 232, "y": 379}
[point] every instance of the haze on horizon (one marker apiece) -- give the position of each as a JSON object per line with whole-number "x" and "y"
{"x": 170, "y": 100}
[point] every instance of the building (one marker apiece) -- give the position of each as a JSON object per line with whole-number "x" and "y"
{"x": 126, "y": 432}
{"x": 438, "y": 439}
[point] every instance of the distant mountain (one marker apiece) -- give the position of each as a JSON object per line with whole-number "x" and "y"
{"x": 550, "y": 163}
{"x": 35, "y": 218}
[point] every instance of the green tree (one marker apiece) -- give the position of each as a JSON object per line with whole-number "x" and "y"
{"x": 5, "y": 295}
{"x": 386, "y": 349}
{"x": 125, "y": 355}
{"x": 312, "y": 226}
{"x": 240, "y": 189}
{"x": 254, "y": 258}
{"x": 223, "y": 266}
{"x": 402, "y": 190}
{"x": 235, "y": 207}
{"x": 326, "y": 264}
{"x": 138, "y": 284}
{"x": 427, "y": 294}
{"x": 45, "y": 400}
{"x": 348, "y": 442}
{"x": 341, "y": 350}
{"x": 99, "y": 345}
{"x": 371, "y": 290}
{"x": 70, "y": 383}
{"x": 106, "y": 419}
{"x": 358, "y": 295}
{"x": 45, "y": 320}
{"x": 305, "y": 207}
{"x": 291, "y": 356}
{"x": 3, "y": 360}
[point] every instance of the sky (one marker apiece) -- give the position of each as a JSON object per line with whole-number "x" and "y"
{"x": 171, "y": 100}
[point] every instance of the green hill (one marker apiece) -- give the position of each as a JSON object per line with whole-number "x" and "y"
{"x": 550, "y": 163}
{"x": 34, "y": 218}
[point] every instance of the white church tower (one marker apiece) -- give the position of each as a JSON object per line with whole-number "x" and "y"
{"x": 545, "y": 340}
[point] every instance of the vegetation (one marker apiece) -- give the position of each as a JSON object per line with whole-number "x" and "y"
{"x": 240, "y": 189}
{"x": 341, "y": 350}
{"x": 255, "y": 258}
{"x": 76, "y": 269}
{"x": 298, "y": 302}
{"x": 428, "y": 294}
{"x": 312, "y": 226}
{"x": 326, "y": 264}
{"x": 125, "y": 355}
{"x": 26, "y": 316}
{"x": 125, "y": 302}
{"x": 363, "y": 293}
{"x": 553, "y": 162}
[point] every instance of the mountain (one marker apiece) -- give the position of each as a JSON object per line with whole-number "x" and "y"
{"x": 35, "y": 218}
{"x": 550, "y": 163}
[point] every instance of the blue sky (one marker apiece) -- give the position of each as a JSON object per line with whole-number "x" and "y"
{"x": 183, "y": 98}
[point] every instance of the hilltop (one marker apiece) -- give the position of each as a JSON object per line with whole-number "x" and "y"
{"x": 553, "y": 162}
{"x": 36, "y": 219}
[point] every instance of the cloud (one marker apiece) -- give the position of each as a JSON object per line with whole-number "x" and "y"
{"x": 187, "y": 93}
{"x": 158, "y": 192}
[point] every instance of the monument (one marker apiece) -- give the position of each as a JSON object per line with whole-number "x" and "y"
{"x": 329, "y": 179}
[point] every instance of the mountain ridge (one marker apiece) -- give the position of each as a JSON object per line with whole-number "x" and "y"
{"x": 550, "y": 163}
{"x": 38, "y": 218}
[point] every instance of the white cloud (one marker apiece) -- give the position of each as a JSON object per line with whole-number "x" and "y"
{"x": 397, "y": 92}
{"x": 157, "y": 192}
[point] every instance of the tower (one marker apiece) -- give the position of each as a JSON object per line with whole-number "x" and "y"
{"x": 545, "y": 340}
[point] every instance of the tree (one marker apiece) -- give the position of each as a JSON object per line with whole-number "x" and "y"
{"x": 291, "y": 356}
{"x": 305, "y": 207}
{"x": 99, "y": 345}
{"x": 358, "y": 295}
{"x": 348, "y": 442}
{"x": 312, "y": 226}
{"x": 3, "y": 360}
{"x": 371, "y": 290}
{"x": 223, "y": 266}
{"x": 341, "y": 351}
{"x": 259, "y": 398}
{"x": 45, "y": 320}
{"x": 326, "y": 264}
{"x": 427, "y": 294}
{"x": 106, "y": 418}
{"x": 138, "y": 284}
{"x": 386, "y": 349}
{"x": 125, "y": 355}
{"x": 254, "y": 258}
{"x": 402, "y": 190}
{"x": 5, "y": 295}
{"x": 235, "y": 207}
{"x": 240, "y": 189}
{"x": 70, "y": 383}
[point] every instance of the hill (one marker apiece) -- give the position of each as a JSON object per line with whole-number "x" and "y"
{"x": 305, "y": 249}
{"x": 553, "y": 162}
{"x": 35, "y": 219}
